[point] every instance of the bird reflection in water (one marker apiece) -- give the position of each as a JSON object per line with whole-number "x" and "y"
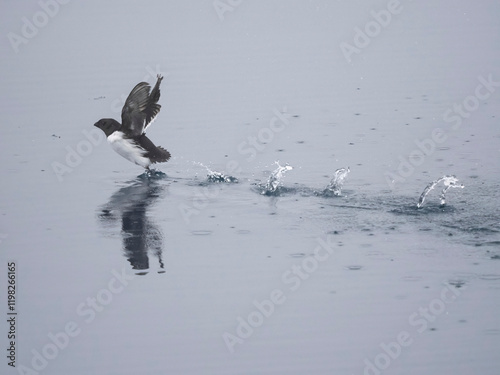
{"x": 141, "y": 236}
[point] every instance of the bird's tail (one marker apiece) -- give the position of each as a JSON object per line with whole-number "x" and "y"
{"x": 161, "y": 155}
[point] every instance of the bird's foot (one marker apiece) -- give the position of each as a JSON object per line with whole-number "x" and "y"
{"x": 153, "y": 173}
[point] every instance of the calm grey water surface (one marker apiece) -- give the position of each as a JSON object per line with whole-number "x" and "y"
{"x": 200, "y": 256}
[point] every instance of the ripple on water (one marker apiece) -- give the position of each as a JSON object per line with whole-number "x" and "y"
{"x": 411, "y": 278}
{"x": 489, "y": 277}
{"x": 423, "y": 251}
{"x": 457, "y": 283}
{"x": 243, "y": 231}
{"x": 354, "y": 267}
{"x": 489, "y": 243}
{"x": 460, "y": 279}
{"x": 377, "y": 254}
{"x": 430, "y": 208}
{"x": 201, "y": 232}
{"x": 492, "y": 331}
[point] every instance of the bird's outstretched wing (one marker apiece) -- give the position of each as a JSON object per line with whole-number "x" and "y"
{"x": 141, "y": 107}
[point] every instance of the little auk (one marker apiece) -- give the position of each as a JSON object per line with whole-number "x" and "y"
{"x": 129, "y": 138}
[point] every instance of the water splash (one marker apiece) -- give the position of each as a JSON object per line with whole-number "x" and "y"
{"x": 335, "y": 185}
{"x": 214, "y": 176}
{"x": 152, "y": 174}
{"x": 274, "y": 180}
{"x": 217, "y": 177}
{"x": 448, "y": 181}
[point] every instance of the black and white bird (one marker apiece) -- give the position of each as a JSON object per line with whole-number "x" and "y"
{"x": 129, "y": 138}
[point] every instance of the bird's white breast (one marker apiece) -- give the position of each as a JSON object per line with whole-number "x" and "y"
{"x": 128, "y": 149}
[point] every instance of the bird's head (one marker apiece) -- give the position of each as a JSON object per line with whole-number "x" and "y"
{"x": 107, "y": 125}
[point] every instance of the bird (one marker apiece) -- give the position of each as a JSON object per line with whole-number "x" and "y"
{"x": 129, "y": 138}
